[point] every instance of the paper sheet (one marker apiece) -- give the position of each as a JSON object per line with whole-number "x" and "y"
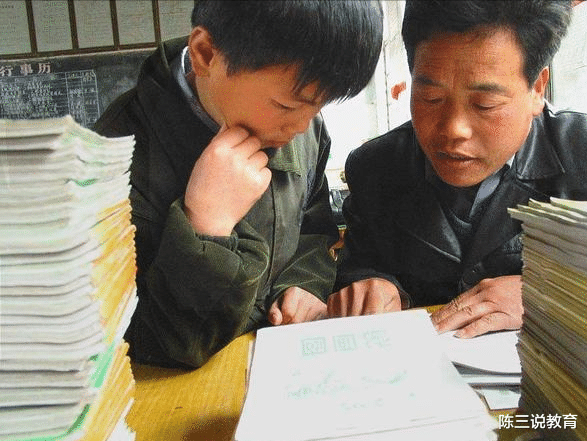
{"x": 494, "y": 352}
{"x": 356, "y": 376}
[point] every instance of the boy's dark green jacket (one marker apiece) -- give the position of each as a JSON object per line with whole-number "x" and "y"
{"x": 198, "y": 293}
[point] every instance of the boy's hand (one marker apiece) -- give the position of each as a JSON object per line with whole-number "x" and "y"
{"x": 491, "y": 305}
{"x": 363, "y": 297}
{"x": 226, "y": 181}
{"x": 296, "y": 305}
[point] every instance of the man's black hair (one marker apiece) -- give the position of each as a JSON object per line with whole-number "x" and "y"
{"x": 539, "y": 25}
{"x": 334, "y": 43}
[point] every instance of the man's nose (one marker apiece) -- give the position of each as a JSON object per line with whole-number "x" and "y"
{"x": 455, "y": 122}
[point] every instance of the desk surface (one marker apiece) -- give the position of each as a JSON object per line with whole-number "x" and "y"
{"x": 200, "y": 405}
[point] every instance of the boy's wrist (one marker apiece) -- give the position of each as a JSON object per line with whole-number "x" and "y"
{"x": 203, "y": 228}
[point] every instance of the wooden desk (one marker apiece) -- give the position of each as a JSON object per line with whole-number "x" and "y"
{"x": 201, "y": 405}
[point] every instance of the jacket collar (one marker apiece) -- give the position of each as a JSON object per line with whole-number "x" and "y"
{"x": 537, "y": 159}
{"x": 286, "y": 158}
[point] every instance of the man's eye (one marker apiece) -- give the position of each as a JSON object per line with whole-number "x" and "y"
{"x": 431, "y": 99}
{"x": 484, "y": 107}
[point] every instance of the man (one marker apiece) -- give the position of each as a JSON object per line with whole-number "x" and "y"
{"x": 228, "y": 189}
{"x": 427, "y": 215}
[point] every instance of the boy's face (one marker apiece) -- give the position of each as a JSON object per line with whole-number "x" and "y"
{"x": 261, "y": 102}
{"x": 471, "y": 105}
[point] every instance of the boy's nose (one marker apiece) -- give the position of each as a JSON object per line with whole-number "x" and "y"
{"x": 298, "y": 125}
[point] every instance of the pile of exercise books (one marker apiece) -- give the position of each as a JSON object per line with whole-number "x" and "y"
{"x": 369, "y": 378}
{"x": 553, "y": 341}
{"x": 489, "y": 363}
{"x": 67, "y": 282}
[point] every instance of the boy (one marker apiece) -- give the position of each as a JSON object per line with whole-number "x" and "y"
{"x": 228, "y": 189}
{"x": 427, "y": 214}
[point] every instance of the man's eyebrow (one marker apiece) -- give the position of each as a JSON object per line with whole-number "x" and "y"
{"x": 489, "y": 87}
{"x": 480, "y": 87}
{"x": 421, "y": 79}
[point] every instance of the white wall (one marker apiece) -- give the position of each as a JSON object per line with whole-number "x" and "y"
{"x": 569, "y": 67}
{"x": 372, "y": 112}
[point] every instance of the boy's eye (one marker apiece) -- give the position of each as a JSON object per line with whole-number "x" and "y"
{"x": 283, "y": 106}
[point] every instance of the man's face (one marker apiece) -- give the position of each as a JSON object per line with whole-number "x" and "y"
{"x": 261, "y": 102}
{"x": 471, "y": 105}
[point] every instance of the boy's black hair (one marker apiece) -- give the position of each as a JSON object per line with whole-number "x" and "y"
{"x": 334, "y": 43}
{"x": 539, "y": 25}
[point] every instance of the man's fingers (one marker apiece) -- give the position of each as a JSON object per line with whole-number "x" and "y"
{"x": 487, "y": 323}
{"x": 460, "y": 317}
{"x": 451, "y": 308}
{"x": 337, "y": 304}
{"x": 356, "y": 303}
{"x": 374, "y": 304}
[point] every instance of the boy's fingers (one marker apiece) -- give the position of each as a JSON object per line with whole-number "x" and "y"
{"x": 275, "y": 316}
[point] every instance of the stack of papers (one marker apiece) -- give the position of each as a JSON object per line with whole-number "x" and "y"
{"x": 370, "y": 378}
{"x": 553, "y": 341}
{"x": 67, "y": 282}
{"x": 490, "y": 364}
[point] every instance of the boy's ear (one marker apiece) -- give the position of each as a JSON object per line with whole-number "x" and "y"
{"x": 202, "y": 51}
{"x": 538, "y": 91}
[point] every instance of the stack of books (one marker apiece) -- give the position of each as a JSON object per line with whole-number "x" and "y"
{"x": 489, "y": 363}
{"x": 369, "y": 378}
{"x": 67, "y": 282}
{"x": 553, "y": 341}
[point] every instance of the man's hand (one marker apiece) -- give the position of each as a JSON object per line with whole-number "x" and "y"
{"x": 296, "y": 305}
{"x": 226, "y": 181}
{"x": 369, "y": 296}
{"x": 491, "y": 305}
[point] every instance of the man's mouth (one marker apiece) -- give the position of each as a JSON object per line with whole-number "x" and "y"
{"x": 454, "y": 156}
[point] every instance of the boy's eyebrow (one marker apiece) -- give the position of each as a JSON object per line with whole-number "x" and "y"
{"x": 303, "y": 99}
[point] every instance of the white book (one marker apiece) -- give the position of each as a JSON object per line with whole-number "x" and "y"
{"x": 376, "y": 377}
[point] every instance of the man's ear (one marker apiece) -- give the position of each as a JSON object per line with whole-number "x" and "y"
{"x": 202, "y": 51}
{"x": 538, "y": 91}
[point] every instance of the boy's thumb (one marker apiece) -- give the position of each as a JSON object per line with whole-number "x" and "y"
{"x": 275, "y": 317}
